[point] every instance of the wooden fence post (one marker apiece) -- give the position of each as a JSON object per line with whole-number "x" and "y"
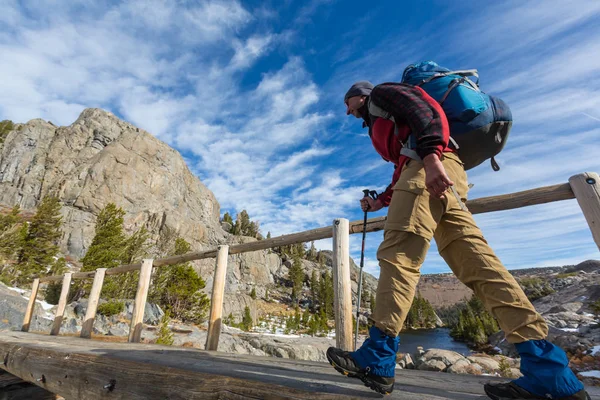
{"x": 137, "y": 319}
{"x": 216, "y": 304}
{"x": 342, "y": 290}
{"x": 62, "y": 303}
{"x": 92, "y": 306}
{"x": 586, "y": 187}
{"x": 30, "y": 305}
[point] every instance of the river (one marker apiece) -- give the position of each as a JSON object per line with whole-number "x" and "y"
{"x": 438, "y": 338}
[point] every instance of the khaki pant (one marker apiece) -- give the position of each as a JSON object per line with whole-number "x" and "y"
{"x": 413, "y": 219}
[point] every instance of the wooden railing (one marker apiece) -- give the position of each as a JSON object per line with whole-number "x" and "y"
{"x": 584, "y": 187}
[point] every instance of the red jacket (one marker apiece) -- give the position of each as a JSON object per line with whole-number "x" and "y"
{"x": 416, "y": 113}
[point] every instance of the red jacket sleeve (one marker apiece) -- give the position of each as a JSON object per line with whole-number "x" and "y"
{"x": 412, "y": 106}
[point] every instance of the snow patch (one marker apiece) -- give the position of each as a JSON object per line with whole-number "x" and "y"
{"x": 595, "y": 350}
{"x": 45, "y": 306}
{"x": 591, "y": 374}
{"x": 16, "y": 289}
{"x": 569, "y": 329}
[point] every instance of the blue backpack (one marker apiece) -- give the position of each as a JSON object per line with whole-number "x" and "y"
{"x": 479, "y": 123}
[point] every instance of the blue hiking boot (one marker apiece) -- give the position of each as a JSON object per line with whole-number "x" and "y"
{"x": 374, "y": 363}
{"x": 546, "y": 375}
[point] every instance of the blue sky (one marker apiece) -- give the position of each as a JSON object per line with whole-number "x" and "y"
{"x": 251, "y": 94}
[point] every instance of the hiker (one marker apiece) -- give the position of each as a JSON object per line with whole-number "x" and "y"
{"x": 426, "y": 200}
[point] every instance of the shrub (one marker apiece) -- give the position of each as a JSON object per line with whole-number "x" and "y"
{"x": 165, "y": 336}
{"x": 110, "y": 308}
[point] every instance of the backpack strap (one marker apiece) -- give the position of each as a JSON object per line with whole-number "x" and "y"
{"x": 464, "y": 73}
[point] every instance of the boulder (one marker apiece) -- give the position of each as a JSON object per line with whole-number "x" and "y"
{"x": 448, "y": 357}
{"x": 487, "y": 363}
{"x": 432, "y": 365}
{"x": 405, "y": 361}
{"x": 465, "y": 367}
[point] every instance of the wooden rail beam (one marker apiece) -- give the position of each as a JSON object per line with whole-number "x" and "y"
{"x": 216, "y": 303}
{"x": 586, "y": 187}
{"x": 342, "y": 292}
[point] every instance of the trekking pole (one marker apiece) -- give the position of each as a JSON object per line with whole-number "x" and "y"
{"x": 372, "y": 194}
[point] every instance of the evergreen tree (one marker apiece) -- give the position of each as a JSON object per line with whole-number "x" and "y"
{"x": 41, "y": 243}
{"x": 13, "y": 231}
{"x": 253, "y": 293}
{"x": 108, "y": 250}
{"x": 109, "y": 242}
{"x": 227, "y": 218}
{"x": 474, "y": 323}
{"x": 421, "y": 314}
{"x": 314, "y": 289}
{"x": 296, "y": 276}
{"x": 245, "y": 227}
{"x": 165, "y": 336}
{"x": 326, "y": 295}
{"x": 52, "y": 292}
{"x": 176, "y": 288}
{"x": 247, "y": 322}
{"x": 136, "y": 246}
{"x": 269, "y": 235}
{"x": 6, "y": 127}
{"x": 312, "y": 252}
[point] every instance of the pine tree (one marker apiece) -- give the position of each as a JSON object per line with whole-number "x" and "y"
{"x": 136, "y": 246}
{"x": 253, "y": 293}
{"x": 247, "y": 322}
{"x": 312, "y": 252}
{"x": 52, "y": 292}
{"x": 326, "y": 295}
{"x": 176, "y": 288}
{"x": 6, "y": 126}
{"x": 108, "y": 250}
{"x": 227, "y": 218}
{"x": 13, "y": 231}
{"x": 41, "y": 243}
{"x": 314, "y": 289}
{"x": 269, "y": 235}
{"x": 165, "y": 336}
{"x": 296, "y": 276}
{"x": 109, "y": 242}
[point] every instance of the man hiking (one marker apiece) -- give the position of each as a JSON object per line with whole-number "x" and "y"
{"x": 425, "y": 199}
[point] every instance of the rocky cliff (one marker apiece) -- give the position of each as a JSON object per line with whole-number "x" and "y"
{"x": 100, "y": 159}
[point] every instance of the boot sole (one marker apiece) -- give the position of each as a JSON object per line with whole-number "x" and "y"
{"x": 379, "y": 388}
{"x": 494, "y": 397}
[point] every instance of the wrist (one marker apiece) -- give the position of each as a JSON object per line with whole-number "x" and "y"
{"x": 431, "y": 158}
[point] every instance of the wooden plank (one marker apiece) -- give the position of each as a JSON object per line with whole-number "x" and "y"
{"x": 342, "y": 291}
{"x": 30, "y": 305}
{"x": 62, "y": 303}
{"x": 92, "y": 305}
{"x": 82, "y": 369}
{"x": 586, "y": 187}
{"x": 216, "y": 304}
{"x": 137, "y": 319}
{"x": 15, "y": 388}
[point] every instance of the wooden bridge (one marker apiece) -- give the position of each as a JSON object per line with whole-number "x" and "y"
{"x": 79, "y": 368}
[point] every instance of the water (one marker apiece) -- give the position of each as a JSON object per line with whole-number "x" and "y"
{"x": 430, "y": 339}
